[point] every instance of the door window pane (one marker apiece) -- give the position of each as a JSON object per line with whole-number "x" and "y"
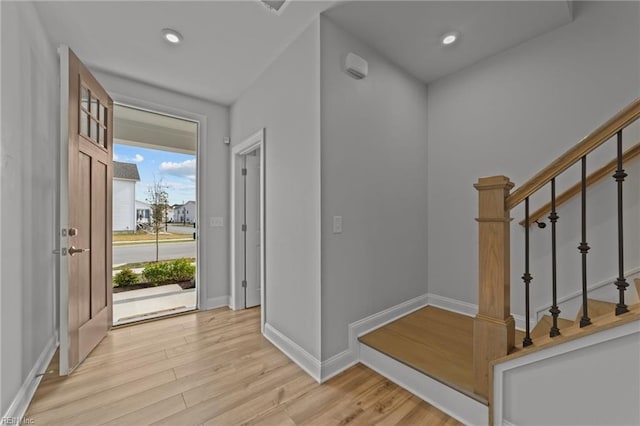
{"x": 84, "y": 98}
{"x": 84, "y": 123}
{"x": 101, "y": 136}
{"x": 93, "y": 132}
{"x": 94, "y": 105}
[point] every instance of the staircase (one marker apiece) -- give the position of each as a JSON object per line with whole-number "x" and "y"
{"x": 456, "y": 356}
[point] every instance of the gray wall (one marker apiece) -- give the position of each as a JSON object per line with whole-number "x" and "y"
{"x": 214, "y": 174}
{"x": 28, "y": 163}
{"x": 513, "y": 114}
{"x": 286, "y": 101}
{"x": 374, "y": 175}
{"x": 585, "y": 387}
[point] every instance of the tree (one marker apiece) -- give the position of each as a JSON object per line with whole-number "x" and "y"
{"x": 158, "y": 198}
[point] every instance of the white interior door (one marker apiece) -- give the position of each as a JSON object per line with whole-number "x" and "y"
{"x": 252, "y": 229}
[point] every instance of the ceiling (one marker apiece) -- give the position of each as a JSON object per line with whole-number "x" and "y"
{"x": 228, "y": 44}
{"x": 136, "y": 127}
{"x": 408, "y": 32}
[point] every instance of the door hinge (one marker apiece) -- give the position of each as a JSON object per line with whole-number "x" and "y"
{"x": 244, "y": 228}
{"x": 244, "y": 283}
{"x": 244, "y": 172}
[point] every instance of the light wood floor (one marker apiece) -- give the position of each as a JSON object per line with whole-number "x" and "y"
{"x": 434, "y": 341}
{"x": 214, "y": 368}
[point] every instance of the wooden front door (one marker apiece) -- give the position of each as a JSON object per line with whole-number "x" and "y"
{"x": 89, "y": 191}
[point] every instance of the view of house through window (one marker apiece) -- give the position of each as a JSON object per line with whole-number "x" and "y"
{"x": 154, "y": 215}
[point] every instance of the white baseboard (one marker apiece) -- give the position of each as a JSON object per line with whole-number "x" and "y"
{"x": 216, "y": 302}
{"x": 630, "y": 274}
{"x": 347, "y": 358}
{"x": 469, "y": 309}
{"x": 295, "y": 352}
{"x": 459, "y": 406}
{"x": 453, "y": 305}
{"x": 337, "y": 364}
{"x": 21, "y": 402}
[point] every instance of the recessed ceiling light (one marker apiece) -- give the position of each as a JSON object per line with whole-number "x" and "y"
{"x": 172, "y": 36}
{"x": 450, "y": 38}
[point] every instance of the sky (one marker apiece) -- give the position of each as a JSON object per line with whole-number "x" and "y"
{"x": 176, "y": 171}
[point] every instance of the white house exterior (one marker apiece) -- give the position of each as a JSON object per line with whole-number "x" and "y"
{"x": 143, "y": 212}
{"x": 185, "y": 213}
{"x": 125, "y": 176}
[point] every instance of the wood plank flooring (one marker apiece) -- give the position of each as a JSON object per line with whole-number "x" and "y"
{"x": 215, "y": 368}
{"x": 434, "y": 341}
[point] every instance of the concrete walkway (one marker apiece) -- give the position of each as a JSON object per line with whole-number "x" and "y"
{"x": 138, "y": 304}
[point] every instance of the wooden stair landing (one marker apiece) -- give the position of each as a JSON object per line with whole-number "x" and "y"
{"x": 434, "y": 342}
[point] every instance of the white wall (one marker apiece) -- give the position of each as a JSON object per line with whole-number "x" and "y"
{"x": 286, "y": 101}
{"x": 596, "y": 384}
{"x": 374, "y": 175}
{"x": 124, "y": 200}
{"x": 213, "y": 166}
{"x": 28, "y": 164}
{"x": 514, "y": 113}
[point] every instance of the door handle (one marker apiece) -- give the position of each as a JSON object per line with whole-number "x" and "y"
{"x": 73, "y": 250}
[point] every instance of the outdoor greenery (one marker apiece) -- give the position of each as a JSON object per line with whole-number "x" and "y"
{"x": 147, "y": 237}
{"x": 158, "y": 198}
{"x": 135, "y": 265}
{"x": 156, "y": 273}
{"x": 181, "y": 270}
{"x": 125, "y": 277}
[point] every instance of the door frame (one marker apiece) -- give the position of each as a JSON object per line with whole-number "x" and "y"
{"x": 253, "y": 142}
{"x": 201, "y": 120}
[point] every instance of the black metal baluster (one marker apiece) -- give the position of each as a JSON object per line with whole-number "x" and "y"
{"x": 553, "y": 218}
{"x": 527, "y": 276}
{"x": 584, "y": 247}
{"x": 621, "y": 282}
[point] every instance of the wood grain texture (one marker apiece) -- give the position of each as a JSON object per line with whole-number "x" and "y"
{"x": 434, "y": 341}
{"x": 596, "y": 308}
{"x": 544, "y": 325}
{"x": 215, "y": 368}
{"x": 601, "y": 323}
{"x": 599, "y": 136}
{"x": 494, "y": 327}
{"x": 593, "y": 178}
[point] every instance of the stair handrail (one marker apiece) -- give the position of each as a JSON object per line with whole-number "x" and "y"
{"x": 494, "y": 325}
{"x": 599, "y": 136}
{"x": 574, "y": 190}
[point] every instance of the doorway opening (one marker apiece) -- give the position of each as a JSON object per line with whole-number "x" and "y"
{"x": 248, "y": 224}
{"x": 154, "y": 214}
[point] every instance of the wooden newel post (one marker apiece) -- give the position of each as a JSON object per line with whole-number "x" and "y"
{"x": 494, "y": 327}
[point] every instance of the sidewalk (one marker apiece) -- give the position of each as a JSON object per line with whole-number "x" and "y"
{"x": 176, "y": 240}
{"x": 137, "y": 304}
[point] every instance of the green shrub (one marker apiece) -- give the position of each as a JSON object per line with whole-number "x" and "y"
{"x": 157, "y": 273}
{"x": 125, "y": 277}
{"x": 182, "y": 270}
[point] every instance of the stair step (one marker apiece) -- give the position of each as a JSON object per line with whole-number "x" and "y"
{"x": 597, "y": 308}
{"x": 544, "y": 325}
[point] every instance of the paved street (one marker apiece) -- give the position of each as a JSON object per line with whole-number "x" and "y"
{"x": 180, "y": 229}
{"x": 147, "y": 252}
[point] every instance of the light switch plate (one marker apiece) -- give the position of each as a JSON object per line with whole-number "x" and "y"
{"x": 216, "y": 222}
{"x": 337, "y": 224}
